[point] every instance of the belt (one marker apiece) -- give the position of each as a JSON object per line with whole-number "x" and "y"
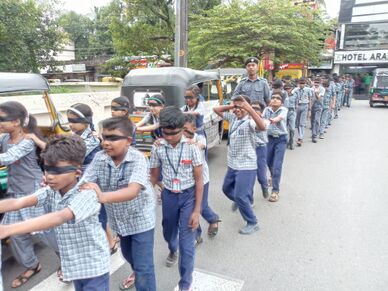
{"x": 276, "y": 136}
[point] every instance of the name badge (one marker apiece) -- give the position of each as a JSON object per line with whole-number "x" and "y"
{"x": 176, "y": 186}
{"x": 186, "y": 162}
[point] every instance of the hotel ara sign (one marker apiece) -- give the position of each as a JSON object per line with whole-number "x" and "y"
{"x": 361, "y": 57}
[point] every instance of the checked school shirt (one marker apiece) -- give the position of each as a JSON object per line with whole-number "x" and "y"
{"x": 129, "y": 217}
{"x": 191, "y": 157}
{"x": 242, "y": 142}
{"x": 82, "y": 243}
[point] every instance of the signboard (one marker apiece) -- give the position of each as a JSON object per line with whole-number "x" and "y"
{"x": 361, "y": 57}
{"x": 296, "y": 66}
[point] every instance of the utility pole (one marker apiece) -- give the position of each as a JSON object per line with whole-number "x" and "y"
{"x": 181, "y": 29}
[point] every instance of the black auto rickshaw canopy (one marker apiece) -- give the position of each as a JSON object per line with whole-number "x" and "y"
{"x": 171, "y": 82}
{"x": 20, "y": 82}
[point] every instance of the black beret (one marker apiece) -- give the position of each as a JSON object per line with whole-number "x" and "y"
{"x": 251, "y": 60}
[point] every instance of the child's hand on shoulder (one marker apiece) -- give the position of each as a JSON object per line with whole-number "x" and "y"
{"x": 95, "y": 187}
{"x": 31, "y": 136}
{"x": 191, "y": 141}
{"x": 158, "y": 142}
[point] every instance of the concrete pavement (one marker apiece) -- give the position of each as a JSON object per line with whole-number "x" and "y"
{"x": 327, "y": 232}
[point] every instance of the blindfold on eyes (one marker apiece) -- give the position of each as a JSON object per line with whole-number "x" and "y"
{"x": 77, "y": 120}
{"x": 119, "y": 108}
{"x": 154, "y": 104}
{"x": 113, "y": 137}
{"x": 59, "y": 170}
{"x": 189, "y": 132}
{"x": 189, "y": 97}
{"x": 6, "y": 118}
{"x": 170, "y": 132}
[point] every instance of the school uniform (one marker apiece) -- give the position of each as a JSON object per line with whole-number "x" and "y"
{"x": 277, "y": 143}
{"x": 291, "y": 105}
{"x": 261, "y": 155}
{"x": 316, "y": 112}
{"x": 332, "y": 89}
{"x": 93, "y": 145}
{"x": 257, "y": 89}
{"x": 303, "y": 97}
{"x": 339, "y": 89}
{"x": 149, "y": 118}
{"x": 82, "y": 243}
{"x": 242, "y": 164}
{"x": 134, "y": 220}
{"x": 24, "y": 177}
{"x": 326, "y": 101}
{"x": 199, "y": 121}
{"x": 178, "y": 201}
{"x": 349, "y": 86}
{"x": 207, "y": 213}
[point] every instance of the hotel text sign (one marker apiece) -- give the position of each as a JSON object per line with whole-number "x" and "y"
{"x": 361, "y": 57}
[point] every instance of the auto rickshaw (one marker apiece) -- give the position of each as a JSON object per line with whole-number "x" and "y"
{"x": 13, "y": 84}
{"x": 171, "y": 82}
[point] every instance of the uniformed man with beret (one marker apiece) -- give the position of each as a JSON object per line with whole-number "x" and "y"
{"x": 254, "y": 87}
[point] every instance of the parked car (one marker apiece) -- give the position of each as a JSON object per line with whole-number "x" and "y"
{"x": 172, "y": 82}
{"x": 378, "y": 92}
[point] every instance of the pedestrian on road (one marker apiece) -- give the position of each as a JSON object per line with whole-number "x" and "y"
{"x": 73, "y": 214}
{"x": 349, "y": 87}
{"x": 181, "y": 165}
{"x": 339, "y": 86}
{"x": 195, "y": 107}
{"x": 206, "y": 211}
{"x": 316, "y": 108}
{"x": 256, "y": 88}
{"x": 24, "y": 176}
{"x": 290, "y": 104}
{"x": 276, "y": 113}
{"x": 303, "y": 99}
{"x": 119, "y": 174}
{"x": 326, "y": 103}
{"x": 242, "y": 161}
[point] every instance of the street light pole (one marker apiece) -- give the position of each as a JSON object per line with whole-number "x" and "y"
{"x": 181, "y": 29}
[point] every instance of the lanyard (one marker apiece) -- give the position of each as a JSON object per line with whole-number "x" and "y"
{"x": 232, "y": 130}
{"x": 122, "y": 170}
{"x": 179, "y": 160}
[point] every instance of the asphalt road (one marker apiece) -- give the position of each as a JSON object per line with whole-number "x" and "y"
{"x": 327, "y": 232}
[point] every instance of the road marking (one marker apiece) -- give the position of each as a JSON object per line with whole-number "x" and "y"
{"x": 207, "y": 281}
{"x": 116, "y": 262}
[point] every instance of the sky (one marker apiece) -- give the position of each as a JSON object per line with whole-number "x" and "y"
{"x": 86, "y": 6}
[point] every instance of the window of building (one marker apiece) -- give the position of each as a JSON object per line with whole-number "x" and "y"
{"x": 366, "y": 36}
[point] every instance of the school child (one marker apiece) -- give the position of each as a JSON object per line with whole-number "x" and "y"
{"x": 316, "y": 108}
{"x": 195, "y": 106}
{"x": 150, "y": 121}
{"x": 207, "y": 213}
{"x": 181, "y": 166}
{"x": 277, "y": 141}
{"x": 73, "y": 214}
{"x": 303, "y": 97}
{"x": 326, "y": 103}
{"x": 242, "y": 161}
{"x": 261, "y": 153}
{"x": 24, "y": 176}
{"x": 339, "y": 92}
{"x": 120, "y": 108}
{"x": 120, "y": 176}
{"x": 290, "y": 104}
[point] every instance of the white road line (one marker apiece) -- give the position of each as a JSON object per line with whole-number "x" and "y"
{"x": 52, "y": 281}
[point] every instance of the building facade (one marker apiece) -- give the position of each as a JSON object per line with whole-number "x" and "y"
{"x": 362, "y": 37}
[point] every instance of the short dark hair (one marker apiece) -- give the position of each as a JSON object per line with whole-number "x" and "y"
{"x": 302, "y": 81}
{"x": 242, "y": 98}
{"x": 277, "y": 84}
{"x": 123, "y": 124}
{"x": 67, "y": 148}
{"x": 171, "y": 118}
{"x": 261, "y": 104}
{"x": 190, "y": 118}
{"x": 122, "y": 101}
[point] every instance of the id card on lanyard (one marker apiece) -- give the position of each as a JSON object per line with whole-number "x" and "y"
{"x": 232, "y": 130}
{"x": 176, "y": 182}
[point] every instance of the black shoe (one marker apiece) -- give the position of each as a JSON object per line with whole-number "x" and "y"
{"x": 265, "y": 193}
{"x": 172, "y": 259}
{"x": 292, "y": 146}
{"x": 314, "y": 140}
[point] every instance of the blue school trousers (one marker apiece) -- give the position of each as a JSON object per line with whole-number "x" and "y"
{"x": 207, "y": 213}
{"x": 276, "y": 149}
{"x": 138, "y": 251}
{"x": 238, "y": 187}
{"x": 100, "y": 283}
{"x": 177, "y": 209}
{"x": 261, "y": 154}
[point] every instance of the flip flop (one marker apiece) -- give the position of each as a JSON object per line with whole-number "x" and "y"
{"x": 22, "y": 278}
{"x": 274, "y": 197}
{"x": 213, "y": 229}
{"x": 128, "y": 283}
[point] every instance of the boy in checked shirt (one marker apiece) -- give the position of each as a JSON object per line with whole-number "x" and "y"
{"x": 73, "y": 214}
{"x": 241, "y": 175}
{"x": 181, "y": 166}
{"x": 120, "y": 176}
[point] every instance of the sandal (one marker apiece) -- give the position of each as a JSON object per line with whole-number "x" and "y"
{"x": 23, "y": 278}
{"x": 60, "y": 276}
{"x": 115, "y": 247}
{"x": 213, "y": 229}
{"x": 128, "y": 283}
{"x": 274, "y": 197}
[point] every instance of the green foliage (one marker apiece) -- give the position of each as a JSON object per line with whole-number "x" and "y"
{"x": 117, "y": 67}
{"x": 29, "y": 35}
{"x": 231, "y": 32}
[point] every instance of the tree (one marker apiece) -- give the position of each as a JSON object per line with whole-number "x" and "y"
{"x": 228, "y": 33}
{"x": 29, "y": 35}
